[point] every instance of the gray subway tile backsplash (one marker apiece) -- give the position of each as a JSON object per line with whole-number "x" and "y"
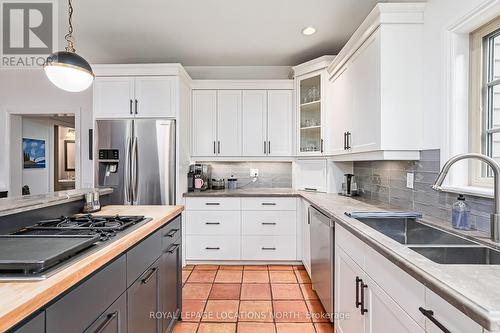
{"x": 385, "y": 181}
{"x": 271, "y": 174}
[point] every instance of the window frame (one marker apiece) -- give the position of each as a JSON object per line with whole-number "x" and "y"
{"x": 479, "y": 110}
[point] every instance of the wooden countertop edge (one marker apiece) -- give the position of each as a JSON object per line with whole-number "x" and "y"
{"x": 62, "y": 281}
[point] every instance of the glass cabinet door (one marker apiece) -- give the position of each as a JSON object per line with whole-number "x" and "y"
{"x": 310, "y": 115}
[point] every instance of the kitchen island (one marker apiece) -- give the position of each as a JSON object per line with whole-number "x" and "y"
{"x": 21, "y": 300}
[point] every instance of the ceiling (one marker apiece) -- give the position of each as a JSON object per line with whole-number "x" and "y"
{"x": 212, "y": 32}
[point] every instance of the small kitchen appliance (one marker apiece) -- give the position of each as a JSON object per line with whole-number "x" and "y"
{"x": 218, "y": 184}
{"x": 201, "y": 174}
{"x": 349, "y": 186}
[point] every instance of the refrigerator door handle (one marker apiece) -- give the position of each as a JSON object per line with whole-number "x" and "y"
{"x": 128, "y": 199}
{"x": 134, "y": 167}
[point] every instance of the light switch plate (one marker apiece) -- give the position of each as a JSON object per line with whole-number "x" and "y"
{"x": 410, "y": 179}
{"x": 254, "y": 172}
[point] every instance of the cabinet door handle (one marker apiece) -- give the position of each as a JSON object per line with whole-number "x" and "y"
{"x": 310, "y": 189}
{"x": 265, "y": 148}
{"x": 321, "y": 145}
{"x": 136, "y": 103}
{"x": 148, "y": 277}
{"x": 212, "y": 248}
{"x": 171, "y": 233}
{"x": 218, "y": 147}
{"x": 269, "y": 147}
{"x": 363, "y": 309}
{"x": 268, "y": 204}
{"x": 345, "y": 140}
{"x": 215, "y": 151}
{"x": 212, "y": 223}
{"x": 131, "y": 102}
{"x": 269, "y": 249}
{"x": 212, "y": 203}
{"x": 268, "y": 223}
{"x": 172, "y": 248}
{"x": 430, "y": 315}
{"x": 358, "y": 282}
{"x": 109, "y": 318}
{"x": 348, "y": 140}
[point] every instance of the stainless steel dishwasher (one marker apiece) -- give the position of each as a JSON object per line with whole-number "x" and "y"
{"x": 322, "y": 257}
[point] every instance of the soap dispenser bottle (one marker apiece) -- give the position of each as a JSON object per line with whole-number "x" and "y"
{"x": 460, "y": 215}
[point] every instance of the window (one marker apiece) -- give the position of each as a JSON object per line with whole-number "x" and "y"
{"x": 485, "y": 99}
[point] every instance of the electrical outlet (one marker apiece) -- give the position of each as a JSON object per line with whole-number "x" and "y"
{"x": 254, "y": 172}
{"x": 410, "y": 179}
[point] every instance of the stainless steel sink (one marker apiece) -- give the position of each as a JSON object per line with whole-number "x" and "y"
{"x": 457, "y": 255}
{"x": 408, "y": 231}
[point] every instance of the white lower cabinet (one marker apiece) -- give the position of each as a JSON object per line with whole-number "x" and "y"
{"x": 305, "y": 233}
{"x": 241, "y": 229}
{"x": 347, "y": 280}
{"x": 392, "y": 300}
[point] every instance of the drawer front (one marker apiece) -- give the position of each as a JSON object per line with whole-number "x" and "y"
{"x": 170, "y": 233}
{"x": 407, "y": 292}
{"x": 213, "y": 223}
{"x": 142, "y": 256}
{"x": 213, "y": 203}
{"x": 268, "y": 248}
{"x": 352, "y": 245}
{"x": 35, "y": 325}
{"x": 448, "y": 316}
{"x": 269, "y": 203}
{"x": 272, "y": 223}
{"x": 78, "y": 309}
{"x": 213, "y": 247}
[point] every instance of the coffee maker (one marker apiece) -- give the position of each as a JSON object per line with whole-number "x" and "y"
{"x": 349, "y": 186}
{"x": 199, "y": 177}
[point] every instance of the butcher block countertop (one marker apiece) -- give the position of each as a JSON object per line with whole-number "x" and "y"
{"x": 20, "y": 299}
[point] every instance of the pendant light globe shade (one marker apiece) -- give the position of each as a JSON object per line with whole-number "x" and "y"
{"x": 68, "y": 71}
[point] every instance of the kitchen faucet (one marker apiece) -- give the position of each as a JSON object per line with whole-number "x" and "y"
{"x": 495, "y": 217}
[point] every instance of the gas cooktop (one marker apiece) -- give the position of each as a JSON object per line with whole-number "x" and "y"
{"x": 32, "y": 251}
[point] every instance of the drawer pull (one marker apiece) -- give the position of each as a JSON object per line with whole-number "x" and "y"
{"x": 268, "y": 223}
{"x": 212, "y": 248}
{"x": 171, "y": 233}
{"x": 269, "y": 249}
{"x": 109, "y": 318}
{"x": 430, "y": 315}
{"x": 212, "y": 223}
{"x": 212, "y": 203}
{"x": 172, "y": 248}
{"x": 149, "y": 275}
{"x": 268, "y": 204}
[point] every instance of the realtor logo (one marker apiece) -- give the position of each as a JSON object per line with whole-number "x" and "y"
{"x": 28, "y": 32}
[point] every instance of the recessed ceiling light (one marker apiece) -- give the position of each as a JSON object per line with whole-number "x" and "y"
{"x": 308, "y": 31}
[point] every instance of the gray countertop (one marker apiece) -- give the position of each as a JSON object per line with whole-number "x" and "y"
{"x": 473, "y": 289}
{"x": 250, "y": 192}
{"x": 13, "y": 205}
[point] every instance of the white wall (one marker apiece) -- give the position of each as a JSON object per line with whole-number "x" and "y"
{"x": 440, "y": 15}
{"x": 38, "y": 180}
{"x": 29, "y": 92}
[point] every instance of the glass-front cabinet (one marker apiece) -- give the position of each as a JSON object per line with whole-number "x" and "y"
{"x": 310, "y": 115}
{"x": 310, "y": 79}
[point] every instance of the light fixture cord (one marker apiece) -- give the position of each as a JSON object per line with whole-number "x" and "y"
{"x": 69, "y": 36}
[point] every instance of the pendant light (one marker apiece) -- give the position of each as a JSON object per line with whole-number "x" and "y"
{"x": 66, "y": 69}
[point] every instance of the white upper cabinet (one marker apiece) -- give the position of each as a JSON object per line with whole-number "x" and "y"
{"x": 279, "y": 122}
{"x": 229, "y": 122}
{"x": 376, "y": 88}
{"x": 114, "y": 97}
{"x": 204, "y": 123}
{"x": 254, "y": 127}
{"x": 139, "y": 97}
{"x": 155, "y": 96}
{"x": 312, "y": 105}
{"x": 248, "y": 123}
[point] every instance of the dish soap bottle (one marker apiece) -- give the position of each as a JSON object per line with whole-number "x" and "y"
{"x": 460, "y": 214}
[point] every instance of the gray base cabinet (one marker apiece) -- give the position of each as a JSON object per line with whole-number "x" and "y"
{"x": 113, "y": 320}
{"x": 143, "y": 302}
{"x": 138, "y": 292}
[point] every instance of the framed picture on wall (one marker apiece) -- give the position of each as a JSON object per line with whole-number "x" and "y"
{"x": 33, "y": 153}
{"x": 69, "y": 155}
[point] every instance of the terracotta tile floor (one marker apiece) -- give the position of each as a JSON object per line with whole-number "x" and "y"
{"x": 250, "y": 299}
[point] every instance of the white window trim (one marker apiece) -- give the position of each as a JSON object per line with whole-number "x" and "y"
{"x": 456, "y": 131}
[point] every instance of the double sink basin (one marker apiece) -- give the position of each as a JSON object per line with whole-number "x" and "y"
{"x": 437, "y": 245}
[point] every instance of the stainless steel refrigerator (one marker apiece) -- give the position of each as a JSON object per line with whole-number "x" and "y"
{"x": 136, "y": 157}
